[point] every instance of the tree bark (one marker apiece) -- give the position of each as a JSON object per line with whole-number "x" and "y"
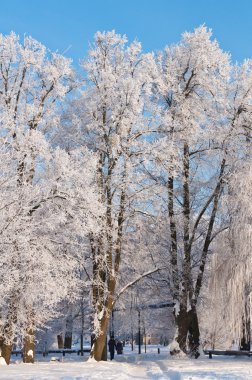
{"x": 182, "y": 323}
{"x": 7, "y": 340}
{"x": 6, "y": 352}
{"x": 1, "y": 344}
{"x": 69, "y": 332}
{"x": 194, "y": 333}
{"x": 187, "y": 332}
{"x": 29, "y": 346}
{"x": 68, "y": 340}
{"x": 60, "y": 341}
{"x": 99, "y": 349}
{"x": 9, "y": 330}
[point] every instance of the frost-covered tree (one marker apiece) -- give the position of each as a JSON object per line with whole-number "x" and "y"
{"x": 110, "y": 120}
{"x": 190, "y": 96}
{"x": 204, "y": 106}
{"x": 231, "y": 272}
{"x": 235, "y": 271}
{"x": 42, "y": 192}
{"x": 240, "y": 211}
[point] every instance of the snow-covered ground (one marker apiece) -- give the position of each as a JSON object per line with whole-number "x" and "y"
{"x": 132, "y": 367}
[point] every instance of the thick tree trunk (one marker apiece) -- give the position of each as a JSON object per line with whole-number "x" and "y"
{"x": 7, "y": 340}
{"x": 99, "y": 349}
{"x": 187, "y": 333}
{"x": 194, "y": 333}
{"x": 8, "y": 335}
{"x": 29, "y": 347}
{"x": 68, "y": 340}
{"x": 6, "y": 352}
{"x": 182, "y": 330}
{"x": 60, "y": 341}
{"x": 69, "y": 332}
{"x": 182, "y": 325}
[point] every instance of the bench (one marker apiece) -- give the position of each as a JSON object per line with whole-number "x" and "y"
{"x": 210, "y": 353}
{"x": 60, "y": 351}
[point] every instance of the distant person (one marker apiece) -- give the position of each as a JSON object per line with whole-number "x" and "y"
{"x": 119, "y": 348}
{"x": 112, "y": 346}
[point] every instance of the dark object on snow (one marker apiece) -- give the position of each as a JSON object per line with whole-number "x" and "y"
{"x": 197, "y": 354}
{"x": 112, "y": 346}
{"x": 228, "y": 352}
{"x": 63, "y": 352}
{"x": 245, "y": 346}
{"x": 119, "y": 347}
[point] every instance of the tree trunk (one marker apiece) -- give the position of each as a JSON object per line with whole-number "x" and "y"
{"x": 99, "y": 349}
{"x": 187, "y": 332}
{"x": 1, "y": 344}
{"x": 8, "y": 334}
{"x": 182, "y": 325}
{"x": 68, "y": 340}
{"x": 194, "y": 333}
{"x": 245, "y": 339}
{"x": 60, "y": 341}
{"x": 6, "y": 352}
{"x": 69, "y": 332}
{"x": 29, "y": 346}
{"x": 7, "y": 341}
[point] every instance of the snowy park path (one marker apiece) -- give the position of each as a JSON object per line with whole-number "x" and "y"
{"x": 133, "y": 367}
{"x": 73, "y": 371}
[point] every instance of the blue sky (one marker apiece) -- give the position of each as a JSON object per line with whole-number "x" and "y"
{"x": 63, "y": 24}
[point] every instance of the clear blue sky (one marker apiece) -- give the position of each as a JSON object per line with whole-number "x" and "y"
{"x": 156, "y": 23}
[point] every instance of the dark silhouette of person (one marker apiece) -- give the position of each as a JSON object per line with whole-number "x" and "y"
{"x": 119, "y": 347}
{"x": 112, "y": 345}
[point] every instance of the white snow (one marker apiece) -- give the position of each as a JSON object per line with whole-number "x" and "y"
{"x": 174, "y": 346}
{"x": 2, "y": 361}
{"x": 177, "y": 308}
{"x": 30, "y": 353}
{"x": 133, "y": 366}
